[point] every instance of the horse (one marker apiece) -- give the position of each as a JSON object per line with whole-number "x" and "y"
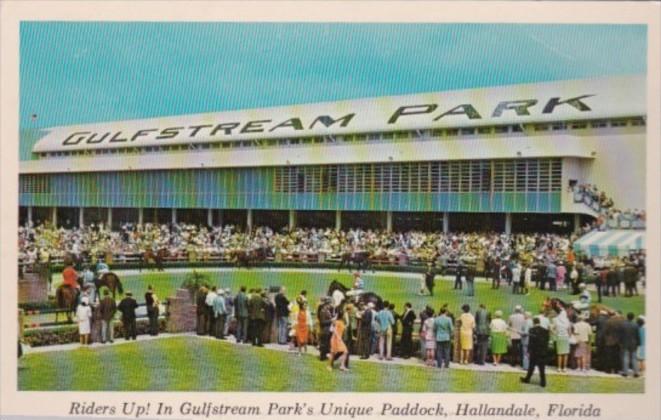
{"x": 360, "y": 258}
{"x": 111, "y": 281}
{"x": 67, "y": 298}
{"x": 158, "y": 257}
{"x": 247, "y": 258}
{"x": 337, "y": 289}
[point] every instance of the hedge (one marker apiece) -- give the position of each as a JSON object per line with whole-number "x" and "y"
{"x": 69, "y": 333}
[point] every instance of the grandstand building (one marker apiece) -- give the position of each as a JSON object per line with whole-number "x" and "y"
{"x": 499, "y": 158}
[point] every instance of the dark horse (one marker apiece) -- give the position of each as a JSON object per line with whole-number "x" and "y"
{"x": 111, "y": 281}
{"x": 247, "y": 258}
{"x": 360, "y": 258}
{"x": 153, "y": 260}
{"x": 67, "y": 298}
{"x": 363, "y": 298}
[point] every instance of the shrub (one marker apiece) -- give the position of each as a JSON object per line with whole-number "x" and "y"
{"x": 194, "y": 281}
{"x": 69, "y": 333}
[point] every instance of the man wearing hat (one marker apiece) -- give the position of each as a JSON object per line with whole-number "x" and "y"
{"x": 127, "y": 307}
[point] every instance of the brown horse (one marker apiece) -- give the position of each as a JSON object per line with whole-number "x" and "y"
{"x": 67, "y": 298}
{"x": 153, "y": 260}
{"x": 247, "y": 258}
{"x": 360, "y": 258}
{"x": 111, "y": 281}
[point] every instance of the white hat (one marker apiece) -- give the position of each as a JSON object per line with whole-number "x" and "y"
{"x": 370, "y": 305}
{"x": 641, "y": 317}
{"x": 221, "y": 292}
{"x": 85, "y": 300}
{"x": 518, "y": 308}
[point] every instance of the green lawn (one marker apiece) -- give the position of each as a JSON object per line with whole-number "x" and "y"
{"x": 395, "y": 289}
{"x": 192, "y": 364}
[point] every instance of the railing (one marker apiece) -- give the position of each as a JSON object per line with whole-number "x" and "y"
{"x": 622, "y": 221}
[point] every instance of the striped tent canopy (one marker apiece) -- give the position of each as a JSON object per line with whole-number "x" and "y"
{"x": 613, "y": 243}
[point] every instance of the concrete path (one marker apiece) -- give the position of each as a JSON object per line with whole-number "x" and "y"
{"x": 313, "y": 351}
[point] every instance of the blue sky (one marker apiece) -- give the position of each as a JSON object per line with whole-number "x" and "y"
{"x": 88, "y": 72}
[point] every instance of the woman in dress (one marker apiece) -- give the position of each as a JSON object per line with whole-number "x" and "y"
{"x": 561, "y": 329}
{"x": 302, "y": 330}
{"x": 466, "y": 334}
{"x": 84, "y": 316}
{"x": 338, "y": 350}
{"x": 498, "y": 329}
{"x": 430, "y": 339}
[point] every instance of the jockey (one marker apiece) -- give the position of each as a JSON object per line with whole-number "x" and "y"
{"x": 358, "y": 282}
{"x": 584, "y": 300}
{"x": 88, "y": 284}
{"x": 101, "y": 268}
{"x": 70, "y": 279}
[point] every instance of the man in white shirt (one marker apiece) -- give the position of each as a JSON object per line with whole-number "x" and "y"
{"x": 210, "y": 299}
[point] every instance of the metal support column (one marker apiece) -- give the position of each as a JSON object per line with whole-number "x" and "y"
{"x": 109, "y": 218}
{"x": 54, "y": 216}
{"x": 292, "y": 219}
{"x": 508, "y": 223}
{"x": 338, "y": 219}
{"x": 81, "y": 217}
{"x": 577, "y": 223}
{"x": 29, "y": 215}
{"x": 446, "y": 222}
{"x": 388, "y": 221}
{"x": 174, "y": 216}
{"x": 249, "y": 219}
{"x": 210, "y": 217}
{"x": 141, "y": 215}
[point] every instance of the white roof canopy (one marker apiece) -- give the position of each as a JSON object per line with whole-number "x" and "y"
{"x": 610, "y": 97}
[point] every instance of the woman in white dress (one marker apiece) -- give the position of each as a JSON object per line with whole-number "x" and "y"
{"x": 84, "y": 317}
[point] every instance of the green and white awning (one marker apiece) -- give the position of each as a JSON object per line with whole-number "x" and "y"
{"x": 612, "y": 243}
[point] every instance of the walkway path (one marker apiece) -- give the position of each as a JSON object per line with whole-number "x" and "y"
{"x": 315, "y": 352}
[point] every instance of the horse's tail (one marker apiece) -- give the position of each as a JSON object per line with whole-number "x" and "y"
{"x": 119, "y": 285}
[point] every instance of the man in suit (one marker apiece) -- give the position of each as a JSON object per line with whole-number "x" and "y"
{"x": 257, "y": 315}
{"x": 538, "y": 345}
{"x": 482, "y": 322}
{"x": 282, "y": 314}
{"x": 325, "y": 318}
{"x": 366, "y": 331}
{"x": 107, "y": 309}
{"x": 241, "y": 314}
{"x": 127, "y": 307}
{"x": 629, "y": 342}
{"x": 406, "y": 343}
{"x": 429, "y": 279}
{"x": 201, "y": 311}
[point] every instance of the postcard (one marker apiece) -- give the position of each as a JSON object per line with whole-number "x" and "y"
{"x": 342, "y": 210}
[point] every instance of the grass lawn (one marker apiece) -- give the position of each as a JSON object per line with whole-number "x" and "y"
{"x": 395, "y": 289}
{"x": 192, "y": 364}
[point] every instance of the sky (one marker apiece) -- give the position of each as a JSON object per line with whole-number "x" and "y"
{"x": 73, "y": 73}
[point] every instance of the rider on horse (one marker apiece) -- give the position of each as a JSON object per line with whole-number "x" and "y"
{"x": 358, "y": 287}
{"x": 70, "y": 279}
{"x": 101, "y": 268}
{"x": 88, "y": 284}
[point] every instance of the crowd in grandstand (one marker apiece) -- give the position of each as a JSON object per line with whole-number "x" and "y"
{"x": 609, "y": 216}
{"x": 184, "y": 239}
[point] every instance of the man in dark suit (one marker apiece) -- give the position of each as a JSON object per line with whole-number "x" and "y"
{"x": 201, "y": 311}
{"x": 429, "y": 279}
{"x": 107, "y": 309}
{"x": 482, "y": 321}
{"x": 406, "y": 343}
{"x": 537, "y": 347}
{"x": 257, "y": 314}
{"x": 460, "y": 271}
{"x": 282, "y": 314}
{"x": 629, "y": 342}
{"x": 325, "y": 318}
{"x": 241, "y": 313}
{"x": 127, "y": 307}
